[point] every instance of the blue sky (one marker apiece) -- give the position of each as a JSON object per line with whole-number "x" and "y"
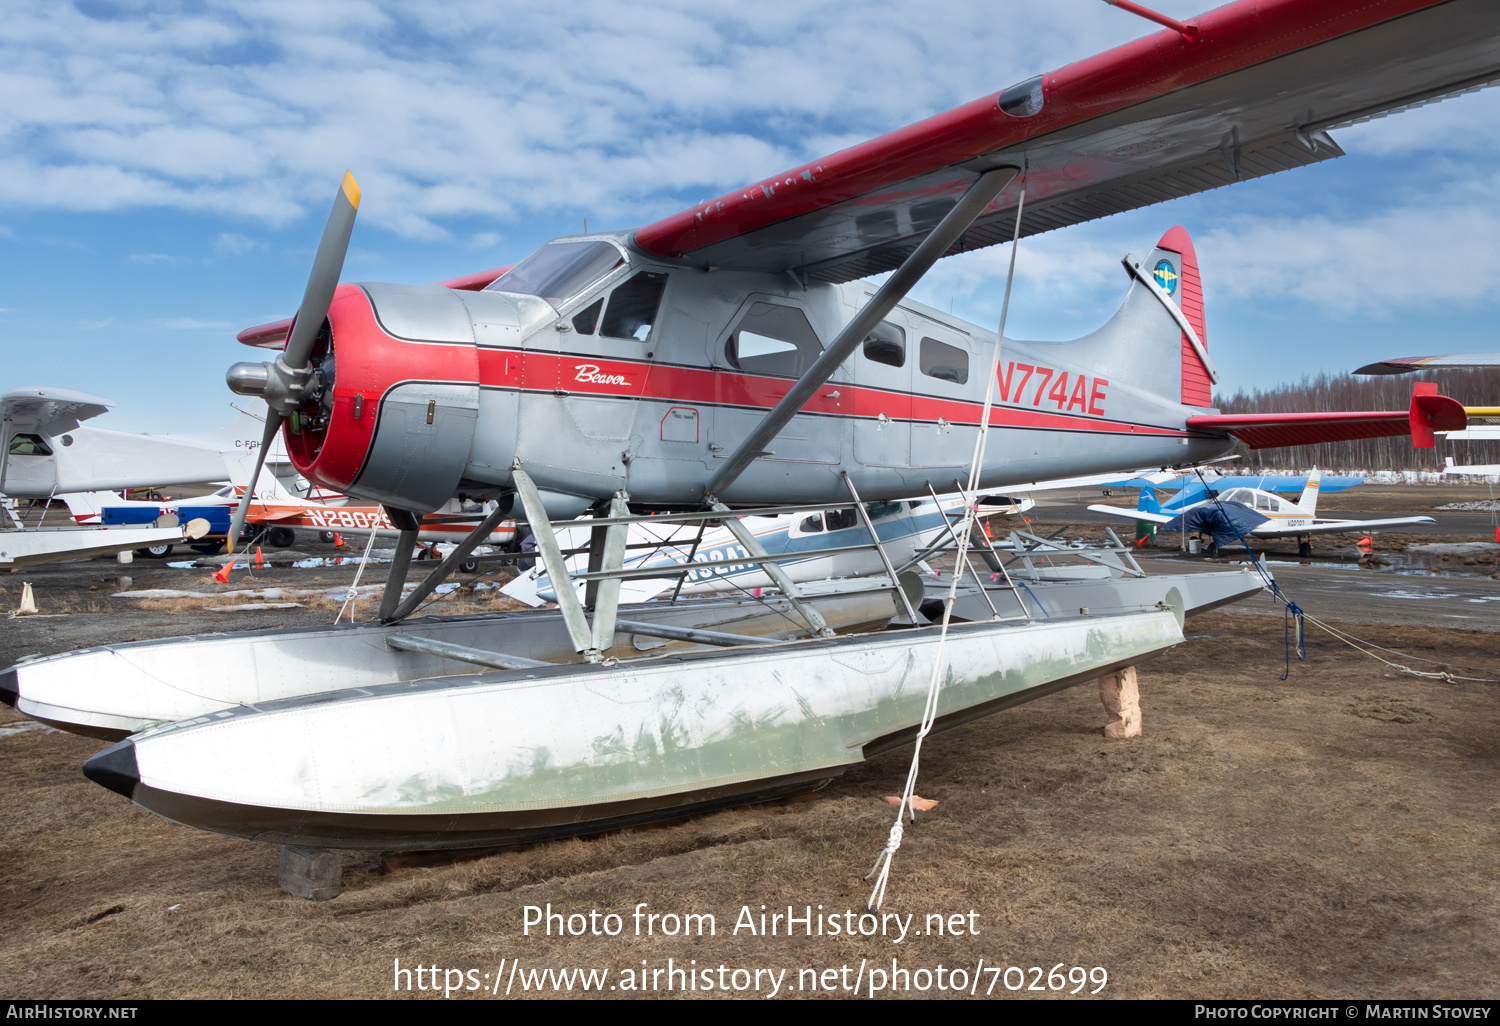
{"x": 166, "y": 169}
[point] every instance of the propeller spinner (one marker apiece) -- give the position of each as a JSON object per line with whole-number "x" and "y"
{"x": 286, "y": 383}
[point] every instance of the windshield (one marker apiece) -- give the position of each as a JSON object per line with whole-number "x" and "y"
{"x": 559, "y": 270}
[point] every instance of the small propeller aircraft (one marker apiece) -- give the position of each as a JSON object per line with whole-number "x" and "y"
{"x": 1256, "y": 513}
{"x": 47, "y": 452}
{"x": 730, "y": 354}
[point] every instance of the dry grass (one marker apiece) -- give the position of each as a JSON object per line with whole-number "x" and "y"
{"x": 1332, "y": 835}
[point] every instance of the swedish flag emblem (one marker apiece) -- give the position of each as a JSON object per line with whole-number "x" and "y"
{"x": 1166, "y": 277}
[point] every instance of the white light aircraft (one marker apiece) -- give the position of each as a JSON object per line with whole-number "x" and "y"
{"x": 1256, "y": 514}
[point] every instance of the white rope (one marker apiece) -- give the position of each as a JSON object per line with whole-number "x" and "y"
{"x": 1364, "y": 647}
{"x": 353, "y": 588}
{"x": 887, "y": 854}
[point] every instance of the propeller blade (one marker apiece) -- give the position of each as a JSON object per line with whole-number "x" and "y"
{"x": 325, "y": 274}
{"x": 237, "y": 524}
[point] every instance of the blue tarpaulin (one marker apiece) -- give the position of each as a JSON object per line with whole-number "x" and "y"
{"x": 1219, "y": 519}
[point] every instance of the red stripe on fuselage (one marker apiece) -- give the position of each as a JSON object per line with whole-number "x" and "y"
{"x": 546, "y": 372}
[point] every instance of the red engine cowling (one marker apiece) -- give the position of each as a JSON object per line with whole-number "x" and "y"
{"x": 397, "y": 424}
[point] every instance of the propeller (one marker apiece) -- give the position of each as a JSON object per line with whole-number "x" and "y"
{"x": 284, "y": 384}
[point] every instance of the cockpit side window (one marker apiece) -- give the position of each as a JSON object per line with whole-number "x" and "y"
{"x": 632, "y": 307}
{"x": 773, "y": 339}
{"x": 29, "y": 445}
{"x": 559, "y": 270}
{"x": 585, "y": 322}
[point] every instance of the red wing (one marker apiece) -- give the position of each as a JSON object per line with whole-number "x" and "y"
{"x": 1429, "y": 412}
{"x": 1150, "y": 121}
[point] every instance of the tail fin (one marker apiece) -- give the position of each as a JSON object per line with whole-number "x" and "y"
{"x": 1152, "y": 340}
{"x": 1175, "y": 258}
{"x": 1309, "y": 502}
{"x": 88, "y": 507}
{"x": 1148, "y": 503}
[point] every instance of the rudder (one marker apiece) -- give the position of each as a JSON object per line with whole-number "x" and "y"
{"x": 1174, "y": 265}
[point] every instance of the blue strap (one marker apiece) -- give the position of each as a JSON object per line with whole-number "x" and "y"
{"x": 1292, "y": 612}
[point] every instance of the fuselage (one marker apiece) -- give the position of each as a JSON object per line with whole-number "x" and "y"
{"x": 646, "y": 377}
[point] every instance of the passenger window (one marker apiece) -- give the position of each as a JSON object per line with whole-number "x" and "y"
{"x": 29, "y": 445}
{"x": 632, "y": 307}
{"x": 585, "y": 322}
{"x": 886, "y": 344}
{"x": 841, "y": 519}
{"x": 881, "y": 510}
{"x": 812, "y": 524}
{"x": 945, "y": 362}
{"x": 773, "y": 339}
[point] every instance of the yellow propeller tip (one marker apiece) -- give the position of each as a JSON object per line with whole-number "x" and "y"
{"x": 351, "y": 189}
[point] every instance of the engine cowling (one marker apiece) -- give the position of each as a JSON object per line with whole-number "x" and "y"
{"x": 395, "y": 417}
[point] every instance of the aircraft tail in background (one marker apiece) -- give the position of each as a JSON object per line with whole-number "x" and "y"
{"x": 1309, "y": 502}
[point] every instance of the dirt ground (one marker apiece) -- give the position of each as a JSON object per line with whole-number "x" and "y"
{"x": 1333, "y": 835}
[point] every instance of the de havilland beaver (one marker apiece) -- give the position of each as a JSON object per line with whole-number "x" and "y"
{"x": 730, "y": 356}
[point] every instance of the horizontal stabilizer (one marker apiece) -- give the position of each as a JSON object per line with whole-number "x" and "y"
{"x": 1429, "y": 413}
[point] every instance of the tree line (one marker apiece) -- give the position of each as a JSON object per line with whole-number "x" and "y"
{"x": 1346, "y": 392}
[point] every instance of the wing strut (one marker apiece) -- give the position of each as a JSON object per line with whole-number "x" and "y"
{"x": 953, "y": 224}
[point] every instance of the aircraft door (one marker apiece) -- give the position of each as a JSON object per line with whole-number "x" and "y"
{"x": 940, "y": 436}
{"x": 607, "y": 349}
{"x": 29, "y": 469}
{"x": 882, "y": 407}
{"x": 771, "y": 344}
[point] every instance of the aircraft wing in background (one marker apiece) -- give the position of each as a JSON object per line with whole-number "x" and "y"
{"x": 48, "y": 411}
{"x": 1408, "y": 364}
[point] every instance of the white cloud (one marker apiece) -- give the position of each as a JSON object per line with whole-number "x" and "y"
{"x": 235, "y": 244}
{"x": 463, "y": 109}
{"x": 1412, "y": 257}
{"x": 89, "y": 325}
{"x": 147, "y": 259}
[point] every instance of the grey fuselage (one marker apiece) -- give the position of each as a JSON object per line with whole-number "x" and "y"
{"x": 587, "y": 414}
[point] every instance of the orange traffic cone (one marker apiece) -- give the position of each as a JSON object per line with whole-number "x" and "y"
{"x": 260, "y": 561}
{"x": 222, "y": 576}
{"x": 338, "y": 540}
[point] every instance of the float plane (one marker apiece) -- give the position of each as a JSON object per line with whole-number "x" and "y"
{"x": 731, "y": 355}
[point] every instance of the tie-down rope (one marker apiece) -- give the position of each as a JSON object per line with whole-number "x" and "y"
{"x": 887, "y": 854}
